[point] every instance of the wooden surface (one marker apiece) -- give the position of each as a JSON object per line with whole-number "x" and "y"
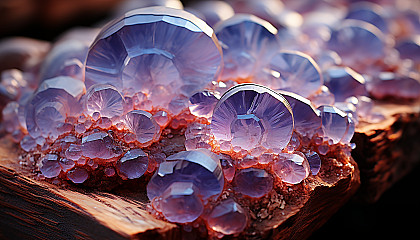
{"x": 387, "y": 151}
{"x": 34, "y": 209}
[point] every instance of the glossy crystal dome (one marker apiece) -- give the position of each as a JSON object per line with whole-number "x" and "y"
{"x": 334, "y": 123}
{"x": 228, "y": 217}
{"x": 250, "y": 115}
{"x": 307, "y": 118}
{"x": 344, "y": 82}
{"x": 247, "y": 42}
{"x": 200, "y": 167}
{"x": 155, "y": 46}
{"x": 142, "y": 124}
{"x": 104, "y": 99}
{"x": 294, "y": 71}
{"x": 291, "y": 168}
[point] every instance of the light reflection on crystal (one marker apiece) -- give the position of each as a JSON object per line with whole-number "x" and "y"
{"x": 291, "y": 168}
{"x": 253, "y": 182}
{"x": 228, "y": 217}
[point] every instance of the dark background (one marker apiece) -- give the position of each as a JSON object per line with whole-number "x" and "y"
{"x": 397, "y": 212}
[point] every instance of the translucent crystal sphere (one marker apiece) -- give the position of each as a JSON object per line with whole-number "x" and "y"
{"x": 202, "y": 104}
{"x": 251, "y": 115}
{"x": 48, "y": 108}
{"x": 253, "y": 182}
{"x": 104, "y": 99}
{"x": 334, "y": 123}
{"x": 294, "y": 71}
{"x": 155, "y": 46}
{"x": 247, "y": 42}
{"x": 228, "y": 217}
{"x": 133, "y": 164}
{"x": 291, "y": 168}
{"x": 180, "y": 202}
{"x": 50, "y": 166}
{"x": 344, "y": 82}
{"x": 100, "y": 145}
{"x": 307, "y": 118}
{"x": 357, "y": 42}
{"x": 200, "y": 167}
{"x": 142, "y": 124}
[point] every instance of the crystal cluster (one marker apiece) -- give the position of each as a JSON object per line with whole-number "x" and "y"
{"x": 208, "y": 121}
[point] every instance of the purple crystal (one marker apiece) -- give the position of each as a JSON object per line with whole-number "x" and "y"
{"x": 143, "y": 125}
{"x": 294, "y": 71}
{"x": 99, "y": 145}
{"x": 314, "y": 162}
{"x": 322, "y": 97}
{"x": 202, "y": 104}
{"x": 28, "y": 143}
{"x": 306, "y": 117}
{"x": 227, "y": 165}
{"x": 370, "y": 13}
{"x": 180, "y": 202}
{"x": 50, "y": 166}
{"x": 291, "y": 168}
{"x": 78, "y": 175}
{"x": 73, "y": 152}
{"x": 66, "y": 58}
{"x": 253, "y": 182}
{"x": 391, "y": 85}
{"x": 248, "y": 42}
{"x": 409, "y": 48}
{"x": 133, "y": 164}
{"x": 104, "y": 99}
{"x": 357, "y": 42}
{"x": 251, "y": 115}
{"x": 213, "y": 11}
{"x": 228, "y": 218}
{"x": 200, "y": 167}
{"x": 55, "y": 99}
{"x": 66, "y": 164}
{"x": 155, "y": 46}
{"x": 161, "y": 118}
{"x": 344, "y": 82}
{"x": 334, "y": 123}
{"x": 350, "y": 130}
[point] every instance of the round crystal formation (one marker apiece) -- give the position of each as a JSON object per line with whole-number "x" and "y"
{"x": 291, "y": 168}
{"x": 294, "y": 71}
{"x": 155, "y": 47}
{"x": 250, "y": 115}
{"x": 133, "y": 164}
{"x": 200, "y": 167}
{"x": 253, "y": 182}
{"x": 142, "y": 124}
{"x": 335, "y": 123}
{"x": 228, "y": 217}
{"x": 104, "y": 99}
{"x": 247, "y": 43}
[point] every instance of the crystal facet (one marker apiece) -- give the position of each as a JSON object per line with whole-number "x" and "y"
{"x": 334, "y": 122}
{"x": 228, "y": 218}
{"x": 50, "y": 166}
{"x": 200, "y": 167}
{"x": 155, "y": 46}
{"x": 104, "y": 99}
{"x": 100, "y": 145}
{"x": 180, "y": 202}
{"x": 251, "y": 115}
{"x": 133, "y": 164}
{"x": 142, "y": 124}
{"x": 253, "y": 182}
{"x": 344, "y": 82}
{"x": 291, "y": 168}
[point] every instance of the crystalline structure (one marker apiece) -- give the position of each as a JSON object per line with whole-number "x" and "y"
{"x": 66, "y": 164}
{"x": 247, "y": 42}
{"x": 228, "y": 217}
{"x": 213, "y": 11}
{"x": 357, "y": 42}
{"x": 73, "y": 152}
{"x": 344, "y": 82}
{"x": 227, "y": 166}
{"x": 251, "y": 115}
{"x": 294, "y": 71}
{"x": 78, "y": 175}
{"x": 133, "y": 164}
{"x": 55, "y": 99}
{"x": 350, "y": 130}
{"x": 155, "y": 46}
{"x": 99, "y": 145}
{"x": 50, "y": 166}
{"x": 142, "y": 124}
{"x": 253, "y": 182}
{"x": 334, "y": 123}
{"x": 314, "y": 162}
{"x": 180, "y": 202}
{"x": 104, "y": 99}
{"x": 370, "y": 13}
{"x": 391, "y": 85}
{"x": 409, "y": 48}
{"x": 306, "y": 117}
{"x": 202, "y": 104}
{"x": 201, "y": 167}
{"x": 291, "y": 168}
{"x": 66, "y": 58}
